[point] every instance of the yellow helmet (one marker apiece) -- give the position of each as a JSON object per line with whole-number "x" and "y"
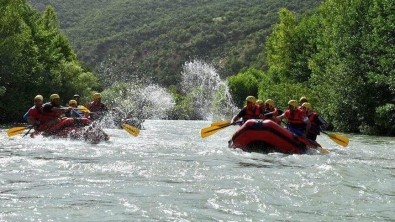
{"x": 39, "y": 97}
{"x": 293, "y": 103}
{"x": 307, "y": 106}
{"x": 259, "y": 102}
{"x": 251, "y": 99}
{"x": 72, "y": 102}
{"x": 96, "y": 96}
{"x": 54, "y": 96}
{"x": 269, "y": 102}
{"x": 303, "y": 99}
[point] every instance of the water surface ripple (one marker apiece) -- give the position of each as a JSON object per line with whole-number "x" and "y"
{"x": 168, "y": 173}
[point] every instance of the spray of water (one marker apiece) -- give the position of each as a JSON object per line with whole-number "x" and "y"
{"x": 136, "y": 102}
{"x": 129, "y": 97}
{"x": 210, "y": 95}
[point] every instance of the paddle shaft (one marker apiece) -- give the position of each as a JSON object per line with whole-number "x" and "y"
{"x": 30, "y": 128}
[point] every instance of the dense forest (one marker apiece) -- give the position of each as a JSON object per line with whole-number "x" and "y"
{"x": 337, "y": 53}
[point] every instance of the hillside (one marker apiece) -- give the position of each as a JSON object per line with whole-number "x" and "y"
{"x": 154, "y": 38}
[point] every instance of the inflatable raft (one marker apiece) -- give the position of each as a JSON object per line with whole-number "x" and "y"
{"x": 266, "y": 136}
{"x": 91, "y": 134}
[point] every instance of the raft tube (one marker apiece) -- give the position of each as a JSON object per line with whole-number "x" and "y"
{"x": 266, "y": 136}
{"x": 86, "y": 133}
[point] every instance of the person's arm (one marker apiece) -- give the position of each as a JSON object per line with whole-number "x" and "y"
{"x": 322, "y": 123}
{"x": 238, "y": 116}
{"x": 280, "y": 117}
{"x": 234, "y": 119}
{"x": 31, "y": 120}
{"x": 26, "y": 116}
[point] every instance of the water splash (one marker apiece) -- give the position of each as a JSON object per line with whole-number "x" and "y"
{"x": 137, "y": 102}
{"x": 138, "y": 98}
{"x": 210, "y": 94}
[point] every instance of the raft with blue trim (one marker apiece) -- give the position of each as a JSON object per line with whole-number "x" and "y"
{"x": 266, "y": 136}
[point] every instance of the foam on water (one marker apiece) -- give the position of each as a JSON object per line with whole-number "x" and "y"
{"x": 169, "y": 173}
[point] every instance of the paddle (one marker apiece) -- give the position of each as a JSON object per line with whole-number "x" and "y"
{"x": 80, "y": 107}
{"x": 221, "y": 123}
{"x": 322, "y": 150}
{"x": 131, "y": 129}
{"x": 338, "y": 138}
{"x": 319, "y": 147}
{"x": 214, "y": 128}
{"x": 16, "y": 130}
{"x": 83, "y": 109}
{"x": 30, "y": 128}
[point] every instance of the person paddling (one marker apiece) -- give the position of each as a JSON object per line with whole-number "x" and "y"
{"x": 302, "y": 100}
{"x": 271, "y": 112}
{"x": 297, "y": 121}
{"x": 96, "y": 107}
{"x": 316, "y": 121}
{"x": 34, "y": 115}
{"x": 77, "y": 111}
{"x": 250, "y": 111}
{"x": 30, "y": 114}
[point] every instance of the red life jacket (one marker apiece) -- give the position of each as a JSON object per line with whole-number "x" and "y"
{"x": 252, "y": 114}
{"x": 296, "y": 118}
{"x": 39, "y": 115}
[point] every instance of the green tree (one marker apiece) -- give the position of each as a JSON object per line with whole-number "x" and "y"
{"x": 245, "y": 84}
{"x": 35, "y": 58}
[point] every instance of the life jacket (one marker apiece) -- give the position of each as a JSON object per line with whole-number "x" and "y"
{"x": 47, "y": 110}
{"x": 38, "y": 115}
{"x": 97, "y": 107}
{"x": 296, "y": 118}
{"x": 251, "y": 114}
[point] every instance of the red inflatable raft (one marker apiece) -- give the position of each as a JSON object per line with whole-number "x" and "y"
{"x": 267, "y": 136}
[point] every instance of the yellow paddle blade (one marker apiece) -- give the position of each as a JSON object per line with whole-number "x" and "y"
{"x": 323, "y": 150}
{"x": 131, "y": 129}
{"x": 221, "y": 123}
{"x": 15, "y": 130}
{"x": 339, "y": 139}
{"x": 208, "y": 131}
{"x": 83, "y": 109}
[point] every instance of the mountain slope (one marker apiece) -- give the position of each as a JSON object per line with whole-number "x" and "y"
{"x": 154, "y": 38}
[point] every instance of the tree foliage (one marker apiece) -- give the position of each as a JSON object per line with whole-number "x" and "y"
{"x": 35, "y": 58}
{"x": 245, "y": 84}
{"x": 339, "y": 55}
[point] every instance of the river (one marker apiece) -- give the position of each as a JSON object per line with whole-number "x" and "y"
{"x": 169, "y": 173}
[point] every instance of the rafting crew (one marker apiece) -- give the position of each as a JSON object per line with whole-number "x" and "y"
{"x": 48, "y": 118}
